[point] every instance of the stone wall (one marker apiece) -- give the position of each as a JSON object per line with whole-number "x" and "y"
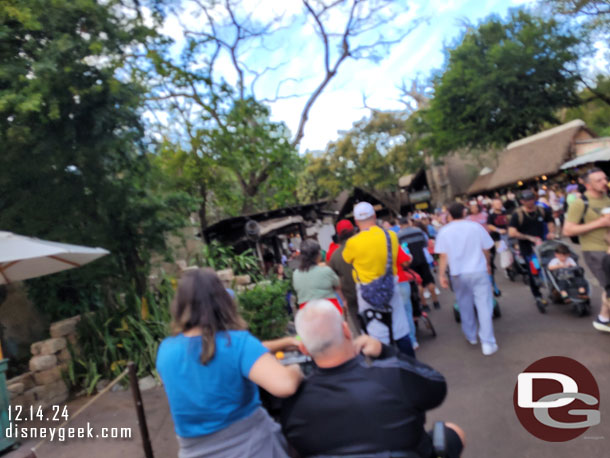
{"x": 237, "y": 282}
{"x": 44, "y": 385}
{"x": 21, "y": 322}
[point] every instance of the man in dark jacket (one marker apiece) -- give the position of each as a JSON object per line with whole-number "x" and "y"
{"x": 349, "y": 407}
{"x": 414, "y": 241}
{"x": 345, "y": 229}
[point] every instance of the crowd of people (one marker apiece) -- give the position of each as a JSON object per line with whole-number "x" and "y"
{"x": 368, "y": 393}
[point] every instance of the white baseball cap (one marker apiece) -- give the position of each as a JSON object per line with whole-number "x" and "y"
{"x": 363, "y": 210}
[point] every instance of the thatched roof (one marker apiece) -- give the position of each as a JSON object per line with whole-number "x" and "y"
{"x": 481, "y": 183}
{"x": 343, "y": 204}
{"x": 405, "y": 180}
{"x": 536, "y": 155}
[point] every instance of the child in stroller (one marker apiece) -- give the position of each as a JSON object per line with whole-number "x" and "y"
{"x": 567, "y": 273}
{"x": 564, "y": 277}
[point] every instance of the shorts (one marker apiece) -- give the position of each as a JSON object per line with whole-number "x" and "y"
{"x": 453, "y": 441}
{"x": 594, "y": 260}
{"x": 423, "y": 270}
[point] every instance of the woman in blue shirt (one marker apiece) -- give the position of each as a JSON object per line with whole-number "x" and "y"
{"x": 210, "y": 370}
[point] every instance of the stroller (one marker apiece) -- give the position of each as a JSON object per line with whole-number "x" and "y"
{"x": 497, "y": 313}
{"x": 418, "y": 313}
{"x": 519, "y": 265}
{"x": 570, "y": 279}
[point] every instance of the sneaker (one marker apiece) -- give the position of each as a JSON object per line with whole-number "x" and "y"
{"x": 489, "y": 349}
{"x": 473, "y": 342}
{"x": 437, "y": 305}
{"x": 601, "y": 326}
{"x": 427, "y": 294}
{"x": 541, "y": 304}
{"x": 425, "y": 308}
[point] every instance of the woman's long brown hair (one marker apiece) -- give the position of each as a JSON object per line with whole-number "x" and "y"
{"x": 202, "y": 302}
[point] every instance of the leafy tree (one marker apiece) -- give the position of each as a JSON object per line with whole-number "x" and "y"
{"x": 73, "y": 167}
{"x": 374, "y": 154}
{"x": 593, "y": 111}
{"x": 258, "y": 151}
{"x": 240, "y": 162}
{"x": 503, "y": 82}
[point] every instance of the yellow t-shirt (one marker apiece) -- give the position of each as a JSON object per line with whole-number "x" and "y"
{"x": 367, "y": 252}
{"x": 594, "y": 240}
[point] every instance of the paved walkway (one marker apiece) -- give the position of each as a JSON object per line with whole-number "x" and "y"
{"x": 480, "y": 388}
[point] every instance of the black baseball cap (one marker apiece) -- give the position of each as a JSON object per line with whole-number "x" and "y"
{"x": 528, "y": 195}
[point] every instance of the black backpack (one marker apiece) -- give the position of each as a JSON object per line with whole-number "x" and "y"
{"x": 416, "y": 242}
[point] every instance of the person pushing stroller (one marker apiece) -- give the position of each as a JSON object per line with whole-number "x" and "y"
{"x": 531, "y": 224}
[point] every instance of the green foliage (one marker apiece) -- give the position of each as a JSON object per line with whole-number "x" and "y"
{"x": 258, "y": 151}
{"x": 111, "y": 336}
{"x": 239, "y": 162}
{"x": 219, "y": 256}
{"x": 503, "y": 82}
{"x": 593, "y": 111}
{"x": 73, "y": 167}
{"x": 373, "y": 154}
{"x": 264, "y": 309}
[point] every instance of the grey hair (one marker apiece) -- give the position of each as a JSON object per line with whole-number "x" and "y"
{"x": 319, "y": 325}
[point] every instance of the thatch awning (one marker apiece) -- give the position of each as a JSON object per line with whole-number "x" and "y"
{"x": 597, "y": 155}
{"x": 537, "y": 155}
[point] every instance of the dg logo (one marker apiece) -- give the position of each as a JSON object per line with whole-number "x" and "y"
{"x": 556, "y": 399}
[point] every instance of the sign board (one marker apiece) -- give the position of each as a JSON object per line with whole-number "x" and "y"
{"x": 422, "y": 205}
{"x": 419, "y": 196}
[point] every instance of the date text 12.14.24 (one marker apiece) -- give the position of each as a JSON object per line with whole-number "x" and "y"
{"x": 31, "y": 413}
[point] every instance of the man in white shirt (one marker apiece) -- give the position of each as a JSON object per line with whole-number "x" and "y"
{"x": 464, "y": 245}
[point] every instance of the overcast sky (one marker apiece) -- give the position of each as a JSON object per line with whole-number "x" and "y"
{"x": 341, "y": 104}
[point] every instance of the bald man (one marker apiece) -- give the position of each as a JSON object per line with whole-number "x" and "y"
{"x": 349, "y": 407}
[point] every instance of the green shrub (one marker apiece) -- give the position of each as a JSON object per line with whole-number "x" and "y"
{"x": 129, "y": 330}
{"x": 219, "y": 257}
{"x": 264, "y": 309}
{"x": 132, "y": 328}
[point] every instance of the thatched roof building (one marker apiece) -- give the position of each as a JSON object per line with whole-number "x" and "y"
{"x": 538, "y": 155}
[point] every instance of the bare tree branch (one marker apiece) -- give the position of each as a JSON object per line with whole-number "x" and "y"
{"x": 365, "y": 105}
{"x": 415, "y": 93}
{"x": 597, "y": 94}
{"x": 234, "y": 33}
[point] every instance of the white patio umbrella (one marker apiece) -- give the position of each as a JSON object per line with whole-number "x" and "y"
{"x": 27, "y": 257}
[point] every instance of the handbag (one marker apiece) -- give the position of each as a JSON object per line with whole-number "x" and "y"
{"x": 506, "y": 259}
{"x": 501, "y": 246}
{"x": 379, "y": 292}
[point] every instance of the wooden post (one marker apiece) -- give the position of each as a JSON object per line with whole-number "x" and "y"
{"x": 137, "y": 399}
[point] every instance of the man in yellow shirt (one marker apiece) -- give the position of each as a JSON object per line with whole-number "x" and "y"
{"x": 367, "y": 252}
{"x": 585, "y": 220}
